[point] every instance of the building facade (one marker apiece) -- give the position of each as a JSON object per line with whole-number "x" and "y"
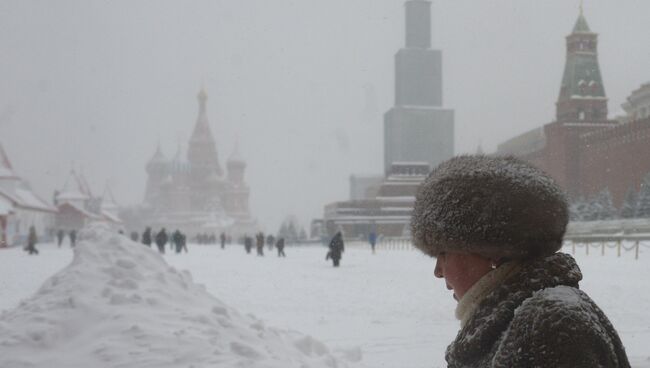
{"x": 388, "y": 213}
{"x": 78, "y": 207}
{"x": 21, "y": 208}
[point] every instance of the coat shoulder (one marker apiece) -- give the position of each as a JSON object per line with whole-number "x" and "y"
{"x": 561, "y": 327}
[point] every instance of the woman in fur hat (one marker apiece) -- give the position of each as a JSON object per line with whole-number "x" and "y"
{"x": 494, "y": 225}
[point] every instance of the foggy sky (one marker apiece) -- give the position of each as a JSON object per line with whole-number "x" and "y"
{"x": 302, "y": 85}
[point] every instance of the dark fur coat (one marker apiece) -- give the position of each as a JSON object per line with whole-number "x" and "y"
{"x": 538, "y": 318}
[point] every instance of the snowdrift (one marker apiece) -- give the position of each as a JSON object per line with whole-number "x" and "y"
{"x": 119, "y": 304}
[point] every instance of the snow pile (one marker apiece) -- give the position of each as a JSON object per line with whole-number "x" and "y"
{"x": 119, "y": 304}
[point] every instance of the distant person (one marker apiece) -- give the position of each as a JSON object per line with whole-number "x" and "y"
{"x": 161, "y": 240}
{"x": 279, "y": 244}
{"x": 73, "y": 237}
{"x": 184, "y": 242}
{"x": 146, "y": 237}
{"x": 32, "y": 239}
{"x": 270, "y": 241}
{"x": 222, "y": 239}
{"x": 177, "y": 240}
{"x": 336, "y": 247}
{"x": 248, "y": 243}
{"x": 135, "y": 236}
{"x": 60, "y": 234}
{"x": 372, "y": 239}
{"x": 260, "y": 244}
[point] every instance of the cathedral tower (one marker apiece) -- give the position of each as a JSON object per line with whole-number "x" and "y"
{"x": 238, "y": 192}
{"x": 156, "y": 172}
{"x": 202, "y": 149}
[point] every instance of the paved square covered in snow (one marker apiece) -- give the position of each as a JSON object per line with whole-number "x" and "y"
{"x": 386, "y": 309}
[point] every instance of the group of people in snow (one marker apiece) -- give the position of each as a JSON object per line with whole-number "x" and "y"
{"x": 177, "y": 240}
{"x": 32, "y": 239}
{"x": 60, "y": 236}
{"x": 259, "y": 242}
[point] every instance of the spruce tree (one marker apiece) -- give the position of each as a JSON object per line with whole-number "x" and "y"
{"x": 643, "y": 203}
{"x": 606, "y": 209}
{"x": 575, "y": 209}
{"x": 628, "y": 209}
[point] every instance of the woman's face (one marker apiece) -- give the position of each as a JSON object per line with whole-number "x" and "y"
{"x": 461, "y": 271}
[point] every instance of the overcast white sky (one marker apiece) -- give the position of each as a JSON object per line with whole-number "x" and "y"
{"x": 98, "y": 83}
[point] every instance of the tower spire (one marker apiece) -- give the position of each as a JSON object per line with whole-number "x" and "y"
{"x": 581, "y": 8}
{"x": 202, "y": 97}
{"x": 202, "y": 149}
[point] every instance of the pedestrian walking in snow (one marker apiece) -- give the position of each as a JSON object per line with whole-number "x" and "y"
{"x": 32, "y": 239}
{"x": 60, "y": 234}
{"x": 336, "y": 249}
{"x": 161, "y": 240}
{"x": 259, "y": 244}
{"x": 177, "y": 240}
{"x": 372, "y": 239}
{"x": 135, "y": 236}
{"x": 279, "y": 244}
{"x": 184, "y": 242}
{"x": 248, "y": 244}
{"x": 270, "y": 241}
{"x": 495, "y": 225}
{"x": 73, "y": 237}
{"x": 222, "y": 238}
{"x": 146, "y": 237}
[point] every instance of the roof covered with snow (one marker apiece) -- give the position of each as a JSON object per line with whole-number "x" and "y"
{"x": 6, "y": 170}
{"x": 74, "y": 189}
{"x": 23, "y": 197}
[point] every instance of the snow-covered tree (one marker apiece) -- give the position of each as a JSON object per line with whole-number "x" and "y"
{"x": 303, "y": 234}
{"x": 628, "y": 209}
{"x": 604, "y": 207}
{"x": 582, "y": 209}
{"x": 643, "y": 203}
{"x": 289, "y": 229}
{"x": 577, "y": 209}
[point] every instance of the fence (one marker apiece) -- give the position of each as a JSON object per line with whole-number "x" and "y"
{"x": 609, "y": 241}
{"x": 590, "y": 243}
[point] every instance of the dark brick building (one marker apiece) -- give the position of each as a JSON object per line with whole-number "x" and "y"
{"x": 582, "y": 149}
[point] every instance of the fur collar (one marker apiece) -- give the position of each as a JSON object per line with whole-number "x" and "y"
{"x": 473, "y": 297}
{"x": 495, "y": 311}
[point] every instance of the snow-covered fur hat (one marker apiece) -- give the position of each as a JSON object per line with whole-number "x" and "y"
{"x": 492, "y": 206}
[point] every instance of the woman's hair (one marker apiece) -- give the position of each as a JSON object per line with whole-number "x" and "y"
{"x": 492, "y": 206}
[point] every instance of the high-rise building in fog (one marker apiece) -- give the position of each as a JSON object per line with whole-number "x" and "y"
{"x": 418, "y": 128}
{"x": 418, "y": 135}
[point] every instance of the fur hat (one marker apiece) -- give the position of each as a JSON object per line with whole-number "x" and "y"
{"x": 492, "y": 206}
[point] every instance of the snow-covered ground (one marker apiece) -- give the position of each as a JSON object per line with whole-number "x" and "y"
{"x": 389, "y": 304}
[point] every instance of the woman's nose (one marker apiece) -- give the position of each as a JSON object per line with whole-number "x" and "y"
{"x": 438, "y": 270}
